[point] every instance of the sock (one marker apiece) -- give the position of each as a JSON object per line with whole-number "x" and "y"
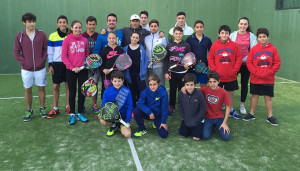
{"x": 270, "y": 116}
{"x": 251, "y": 114}
{"x": 30, "y": 110}
{"x": 42, "y": 108}
{"x": 72, "y": 114}
{"x": 242, "y": 105}
{"x": 55, "y": 108}
{"x": 67, "y": 106}
{"x": 231, "y": 109}
{"x": 114, "y": 125}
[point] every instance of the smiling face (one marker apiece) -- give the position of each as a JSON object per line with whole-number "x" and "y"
{"x": 62, "y": 24}
{"x": 180, "y": 20}
{"x": 243, "y": 25}
{"x": 134, "y": 38}
{"x": 224, "y": 35}
{"x": 153, "y": 85}
{"x": 91, "y": 26}
{"x": 112, "y": 39}
{"x": 177, "y": 36}
{"x": 190, "y": 87}
{"x": 199, "y": 28}
{"x": 213, "y": 84}
{"x": 143, "y": 19}
{"x": 117, "y": 83}
{"x": 262, "y": 39}
{"x": 77, "y": 28}
{"x": 111, "y": 22}
{"x": 154, "y": 28}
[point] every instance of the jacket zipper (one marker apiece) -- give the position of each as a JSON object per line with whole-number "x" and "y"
{"x": 33, "y": 55}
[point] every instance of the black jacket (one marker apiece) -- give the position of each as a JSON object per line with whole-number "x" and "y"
{"x": 127, "y": 31}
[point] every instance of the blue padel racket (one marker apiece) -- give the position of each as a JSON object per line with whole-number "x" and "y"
{"x": 93, "y": 61}
{"x": 158, "y": 54}
{"x": 188, "y": 59}
{"x": 122, "y": 62}
{"x": 110, "y": 113}
{"x": 201, "y": 68}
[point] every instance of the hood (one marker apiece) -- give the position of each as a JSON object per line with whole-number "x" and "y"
{"x": 220, "y": 42}
{"x": 75, "y": 37}
{"x": 185, "y": 25}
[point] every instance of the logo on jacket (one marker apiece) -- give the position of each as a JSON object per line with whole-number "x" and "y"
{"x": 157, "y": 98}
{"x": 212, "y": 99}
{"x": 77, "y": 46}
{"x": 263, "y": 62}
{"x": 111, "y": 54}
{"x": 225, "y": 58}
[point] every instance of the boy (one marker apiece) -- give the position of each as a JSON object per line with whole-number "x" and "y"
{"x": 151, "y": 41}
{"x": 225, "y": 58}
{"x": 200, "y": 45}
{"x": 144, "y": 20}
{"x": 120, "y": 95}
{"x": 153, "y": 104}
{"x": 263, "y": 62}
{"x": 180, "y": 22}
{"x": 192, "y": 109}
{"x": 215, "y": 96}
{"x": 30, "y": 50}
{"x": 175, "y": 51}
{"x": 56, "y": 67}
{"x": 91, "y": 35}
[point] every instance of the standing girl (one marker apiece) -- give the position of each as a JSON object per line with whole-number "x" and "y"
{"x": 245, "y": 40}
{"x": 74, "y": 51}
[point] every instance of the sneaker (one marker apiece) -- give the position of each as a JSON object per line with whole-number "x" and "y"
{"x": 43, "y": 112}
{"x": 140, "y": 133}
{"x": 95, "y": 108}
{"x": 243, "y": 109}
{"x": 72, "y": 119}
{"x": 111, "y": 131}
{"x": 28, "y": 115}
{"x": 67, "y": 111}
{"x": 248, "y": 117}
{"x": 272, "y": 120}
{"x": 235, "y": 115}
{"x": 153, "y": 125}
{"x": 171, "y": 110}
{"x": 81, "y": 117}
{"x": 223, "y": 107}
{"x": 52, "y": 113}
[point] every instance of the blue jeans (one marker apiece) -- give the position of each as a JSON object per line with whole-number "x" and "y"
{"x": 217, "y": 122}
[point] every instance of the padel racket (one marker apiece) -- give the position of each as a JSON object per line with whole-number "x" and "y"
{"x": 89, "y": 87}
{"x": 110, "y": 113}
{"x": 122, "y": 62}
{"x": 92, "y": 61}
{"x": 201, "y": 68}
{"x": 188, "y": 59}
{"x": 159, "y": 53}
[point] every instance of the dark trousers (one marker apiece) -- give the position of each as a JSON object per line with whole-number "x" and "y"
{"x": 245, "y": 74}
{"x": 72, "y": 78}
{"x": 136, "y": 87}
{"x": 139, "y": 117}
{"x": 176, "y": 83}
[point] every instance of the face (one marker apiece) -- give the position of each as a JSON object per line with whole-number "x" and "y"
{"x": 30, "y": 25}
{"x": 180, "y": 20}
{"x": 134, "y": 24}
{"x": 143, "y": 19}
{"x": 199, "y": 28}
{"x": 111, "y": 22}
{"x": 154, "y": 28}
{"x": 213, "y": 84}
{"x": 134, "y": 38}
{"x": 117, "y": 83}
{"x": 243, "y": 25}
{"x": 177, "y": 35}
{"x": 224, "y": 35}
{"x": 77, "y": 28}
{"x": 112, "y": 39}
{"x": 190, "y": 87}
{"x": 262, "y": 39}
{"x": 91, "y": 26}
{"x": 153, "y": 85}
{"x": 62, "y": 24}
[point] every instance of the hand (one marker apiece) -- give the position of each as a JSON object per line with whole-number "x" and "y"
{"x": 167, "y": 77}
{"x": 151, "y": 116}
{"x": 164, "y": 125}
{"x": 103, "y": 31}
{"x": 51, "y": 70}
{"x": 225, "y": 127}
{"x": 186, "y": 66}
{"x": 183, "y": 90}
{"x": 161, "y": 35}
{"x": 106, "y": 71}
{"x": 76, "y": 69}
{"x": 100, "y": 117}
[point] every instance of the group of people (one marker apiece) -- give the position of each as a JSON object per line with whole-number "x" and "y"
{"x": 140, "y": 91}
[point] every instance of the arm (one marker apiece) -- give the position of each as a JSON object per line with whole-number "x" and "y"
{"x": 202, "y": 110}
{"x": 87, "y": 51}
{"x": 211, "y": 60}
{"x": 98, "y": 46}
{"x": 166, "y": 61}
{"x": 44, "y": 51}
{"x": 276, "y": 63}
{"x": 238, "y": 60}
{"x": 129, "y": 108}
{"x": 142, "y": 103}
{"x": 144, "y": 61}
{"x": 164, "y": 108}
{"x": 104, "y": 100}
{"x": 180, "y": 104}
{"x": 17, "y": 51}
{"x": 64, "y": 54}
{"x": 224, "y": 124}
{"x": 249, "y": 62}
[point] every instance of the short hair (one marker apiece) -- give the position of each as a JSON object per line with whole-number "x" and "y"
{"x": 154, "y": 21}
{"x": 112, "y": 32}
{"x": 135, "y": 33}
{"x": 225, "y": 28}
{"x": 90, "y": 19}
{"x": 198, "y": 21}
{"x": 189, "y": 77}
{"x": 28, "y": 17}
{"x": 181, "y": 13}
{"x": 62, "y": 17}
{"x": 117, "y": 75}
{"x": 144, "y": 12}
{"x": 177, "y": 28}
{"x": 113, "y": 15}
{"x": 262, "y": 31}
{"x": 213, "y": 74}
{"x": 248, "y": 28}
{"x": 154, "y": 77}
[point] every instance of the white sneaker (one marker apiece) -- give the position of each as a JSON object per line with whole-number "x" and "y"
{"x": 243, "y": 110}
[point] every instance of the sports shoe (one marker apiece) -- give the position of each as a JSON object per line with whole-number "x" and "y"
{"x": 95, "y": 108}
{"x": 67, "y": 111}
{"x": 235, "y": 115}
{"x": 43, "y": 112}
{"x": 248, "y": 117}
{"x": 140, "y": 133}
{"x": 171, "y": 110}
{"x": 153, "y": 125}
{"x": 28, "y": 115}
{"x": 72, "y": 119}
{"x": 243, "y": 109}
{"x": 52, "y": 113}
{"x": 111, "y": 131}
{"x": 81, "y": 117}
{"x": 223, "y": 107}
{"x": 272, "y": 120}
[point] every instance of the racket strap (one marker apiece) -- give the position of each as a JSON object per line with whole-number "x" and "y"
{"x": 120, "y": 100}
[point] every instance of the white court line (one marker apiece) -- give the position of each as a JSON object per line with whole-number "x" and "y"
{"x": 288, "y": 80}
{"x": 8, "y": 98}
{"x": 135, "y": 156}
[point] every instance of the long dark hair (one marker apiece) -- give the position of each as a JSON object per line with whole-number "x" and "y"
{"x": 72, "y": 25}
{"x": 245, "y": 18}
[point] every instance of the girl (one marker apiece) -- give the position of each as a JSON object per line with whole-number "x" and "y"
{"x": 245, "y": 40}
{"x": 74, "y": 51}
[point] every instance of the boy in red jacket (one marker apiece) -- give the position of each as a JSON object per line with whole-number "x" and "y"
{"x": 263, "y": 62}
{"x": 225, "y": 58}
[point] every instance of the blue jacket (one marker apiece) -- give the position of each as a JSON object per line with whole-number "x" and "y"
{"x": 143, "y": 64}
{"x": 199, "y": 48}
{"x": 110, "y": 95}
{"x": 155, "y": 102}
{"x": 101, "y": 42}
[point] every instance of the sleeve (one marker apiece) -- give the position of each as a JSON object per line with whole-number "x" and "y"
{"x": 44, "y": 51}
{"x": 202, "y": 110}
{"x": 164, "y": 108}
{"x": 142, "y": 103}
{"x": 209, "y": 44}
{"x": 188, "y": 48}
{"x": 238, "y": 60}
{"x": 98, "y": 45}
{"x": 249, "y": 62}
{"x": 87, "y": 51}
{"x": 211, "y": 59}
{"x": 121, "y": 37}
{"x": 166, "y": 61}
{"x": 104, "y": 99}
{"x": 144, "y": 61}
{"x": 123, "y": 31}
{"x": 64, "y": 54}
{"x": 103, "y": 56}
{"x": 17, "y": 51}
{"x": 50, "y": 50}
{"x": 180, "y": 104}
{"x": 129, "y": 108}
{"x": 226, "y": 100}
{"x": 276, "y": 62}
{"x": 165, "y": 41}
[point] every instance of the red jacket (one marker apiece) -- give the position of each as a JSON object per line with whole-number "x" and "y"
{"x": 226, "y": 59}
{"x": 263, "y": 62}
{"x": 31, "y": 55}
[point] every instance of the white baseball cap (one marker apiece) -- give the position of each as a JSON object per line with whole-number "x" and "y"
{"x": 134, "y": 17}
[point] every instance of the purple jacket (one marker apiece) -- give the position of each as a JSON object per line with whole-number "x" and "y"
{"x": 31, "y": 55}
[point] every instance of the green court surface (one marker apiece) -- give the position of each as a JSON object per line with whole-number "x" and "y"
{"x": 51, "y": 144}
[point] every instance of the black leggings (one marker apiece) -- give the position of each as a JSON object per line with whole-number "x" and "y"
{"x": 176, "y": 83}
{"x": 245, "y": 74}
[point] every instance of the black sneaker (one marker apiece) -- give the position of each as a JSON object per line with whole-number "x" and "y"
{"x": 272, "y": 120}
{"x": 248, "y": 117}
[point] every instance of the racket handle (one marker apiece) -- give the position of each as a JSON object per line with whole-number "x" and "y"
{"x": 111, "y": 69}
{"x": 124, "y": 123}
{"x": 149, "y": 66}
{"x": 173, "y": 66}
{"x": 81, "y": 67}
